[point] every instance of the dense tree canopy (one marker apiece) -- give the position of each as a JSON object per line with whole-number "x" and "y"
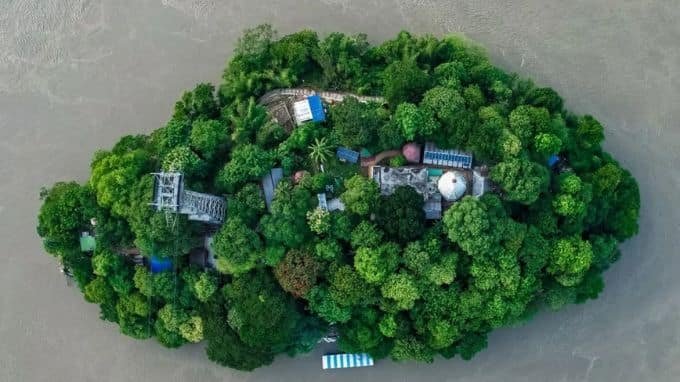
{"x": 277, "y": 276}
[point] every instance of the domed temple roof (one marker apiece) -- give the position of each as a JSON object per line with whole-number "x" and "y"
{"x": 452, "y": 185}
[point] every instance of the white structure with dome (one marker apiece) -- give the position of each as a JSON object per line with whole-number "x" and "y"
{"x": 452, "y": 185}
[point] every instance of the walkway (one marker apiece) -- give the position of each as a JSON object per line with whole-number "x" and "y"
{"x": 327, "y": 96}
{"x": 371, "y": 161}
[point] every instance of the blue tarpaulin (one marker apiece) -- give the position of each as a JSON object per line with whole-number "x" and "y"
{"x": 160, "y": 264}
{"x": 553, "y": 160}
{"x": 316, "y": 106}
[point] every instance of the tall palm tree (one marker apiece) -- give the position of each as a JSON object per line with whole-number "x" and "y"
{"x": 320, "y": 151}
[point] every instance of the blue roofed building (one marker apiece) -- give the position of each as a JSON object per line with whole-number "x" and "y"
{"x": 309, "y": 109}
{"x": 446, "y": 157}
{"x": 347, "y": 155}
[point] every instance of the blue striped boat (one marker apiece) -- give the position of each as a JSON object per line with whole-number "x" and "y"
{"x": 343, "y": 361}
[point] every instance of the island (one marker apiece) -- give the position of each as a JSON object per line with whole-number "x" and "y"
{"x": 401, "y": 201}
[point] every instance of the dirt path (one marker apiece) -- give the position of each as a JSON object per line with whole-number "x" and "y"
{"x": 75, "y": 75}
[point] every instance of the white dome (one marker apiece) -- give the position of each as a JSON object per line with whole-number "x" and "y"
{"x": 452, "y": 185}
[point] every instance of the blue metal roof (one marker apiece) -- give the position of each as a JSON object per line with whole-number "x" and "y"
{"x": 553, "y": 160}
{"x": 345, "y": 154}
{"x": 316, "y": 106}
{"x": 160, "y": 264}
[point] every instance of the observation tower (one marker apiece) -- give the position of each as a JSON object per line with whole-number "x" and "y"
{"x": 171, "y": 197}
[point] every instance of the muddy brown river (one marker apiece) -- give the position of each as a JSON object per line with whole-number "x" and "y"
{"x": 77, "y": 74}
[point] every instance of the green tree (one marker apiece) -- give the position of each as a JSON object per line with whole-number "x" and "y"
{"x": 253, "y": 49}
{"x": 183, "y": 159}
{"x": 404, "y": 81}
{"x": 528, "y": 121}
{"x": 225, "y": 347}
{"x": 361, "y": 195}
{"x": 167, "y": 338}
{"x": 484, "y": 138}
{"x": 347, "y": 288}
{"x": 571, "y": 258}
{"x": 247, "y": 118}
{"x": 521, "y": 180}
{"x": 63, "y": 215}
{"x": 247, "y": 204}
{"x": 471, "y": 224}
{"x": 133, "y": 316}
{"x": 209, "y": 138}
{"x": 411, "y": 348}
{"x": 192, "y": 329}
{"x": 415, "y": 122}
{"x": 200, "y": 102}
{"x": 319, "y": 220}
{"x": 99, "y": 291}
{"x": 362, "y": 334}
{"x": 296, "y": 52}
{"x": 328, "y": 249}
{"x": 573, "y": 196}
{"x": 297, "y": 273}
{"x": 206, "y": 286}
{"x": 401, "y": 214}
{"x": 547, "y": 144}
{"x": 509, "y": 145}
{"x": 320, "y": 151}
{"x": 366, "y": 234}
{"x": 401, "y": 288}
{"x": 388, "y": 326}
{"x": 449, "y": 109}
{"x": 112, "y": 175}
{"x": 248, "y": 163}
{"x": 589, "y": 132}
{"x": 287, "y": 223}
{"x": 545, "y": 97}
{"x": 340, "y": 58}
{"x": 260, "y": 312}
{"x": 341, "y": 226}
{"x": 355, "y": 124}
{"x": 426, "y": 259}
{"x": 236, "y": 247}
{"x": 375, "y": 264}
{"x": 321, "y": 303}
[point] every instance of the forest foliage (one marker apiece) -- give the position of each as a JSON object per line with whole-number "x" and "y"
{"x": 391, "y": 283}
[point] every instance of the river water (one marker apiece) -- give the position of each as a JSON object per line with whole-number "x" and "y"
{"x": 77, "y": 74}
